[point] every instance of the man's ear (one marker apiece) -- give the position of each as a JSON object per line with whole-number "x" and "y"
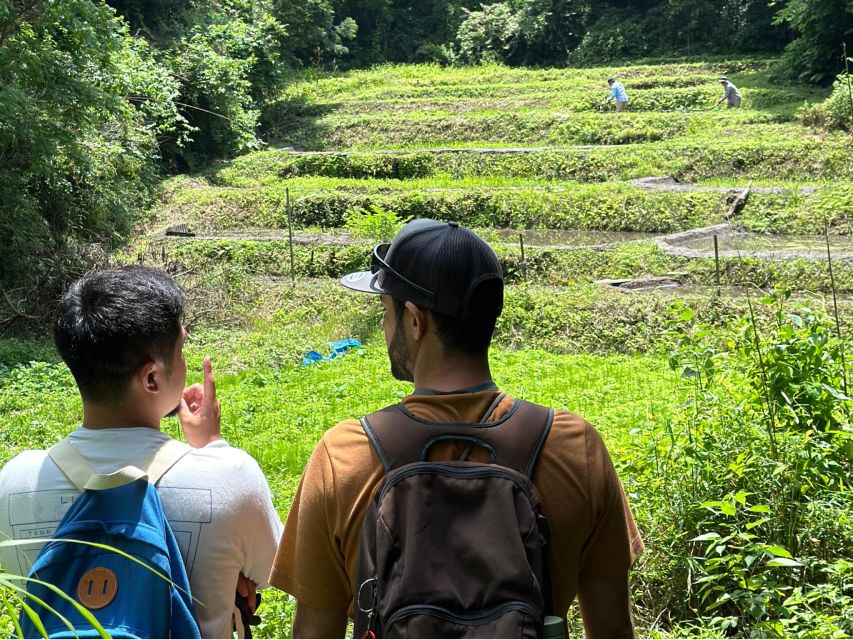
{"x": 418, "y": 320}
{"x": 149, "y": 377}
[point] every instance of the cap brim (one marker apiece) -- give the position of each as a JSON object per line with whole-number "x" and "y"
{"x": 363, "y": 281}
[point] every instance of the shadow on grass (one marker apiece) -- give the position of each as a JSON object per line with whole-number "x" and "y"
{"x": 779, "y": 97}
{"x": 295, "y": 122}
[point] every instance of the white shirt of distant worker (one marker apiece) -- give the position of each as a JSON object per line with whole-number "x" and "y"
{"x": 216, "y": 497}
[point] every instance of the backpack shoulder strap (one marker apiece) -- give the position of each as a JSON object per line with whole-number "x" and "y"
{"x": 71, "y": 463}
{"x": 166, "y": 457}
{"x": 513, "y": 441}
{"x": 83, "y": 477}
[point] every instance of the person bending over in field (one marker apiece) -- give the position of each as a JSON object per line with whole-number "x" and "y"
{"x": 617, "y": 93}
{"x": 120, "y": 332}
{"x": 441, "y": 288}
{"x": 730, "y": 94}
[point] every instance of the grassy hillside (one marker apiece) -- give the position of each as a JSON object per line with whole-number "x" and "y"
{"x": 720, "y": 388}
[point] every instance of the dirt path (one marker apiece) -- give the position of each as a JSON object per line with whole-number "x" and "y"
{"x": 281, "y": 235}
{"x": 346, "y": 239}
{"x": 675, "y": 244}
{"x": 667, "y": 183}
{"x": 440, "y": 150}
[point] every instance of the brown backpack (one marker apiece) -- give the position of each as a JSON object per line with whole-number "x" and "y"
{"x": 455, "y": 549}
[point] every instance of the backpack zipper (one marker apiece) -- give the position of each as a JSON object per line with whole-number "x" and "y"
{"x": 461, "y": 618}
{"x": 437, "y": 468}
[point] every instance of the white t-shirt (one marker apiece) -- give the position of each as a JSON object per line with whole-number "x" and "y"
{"x": 216, "y": 499}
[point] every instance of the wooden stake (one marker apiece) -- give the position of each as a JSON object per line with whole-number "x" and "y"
{"x": 290, "y": 237}
{"x": 717, "y": 262}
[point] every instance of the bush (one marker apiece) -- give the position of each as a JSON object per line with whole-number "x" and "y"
{"x": 228, "y": 62}
{"x": 486, "y": 35}
{"x": 373, "y": 223}
{"x": 743, "y": 492}
{"x": 77, "y": 145}
{"x": 836, "y": 112}
{"x": 433, "y": 53}
{"x": 614, "y": 36}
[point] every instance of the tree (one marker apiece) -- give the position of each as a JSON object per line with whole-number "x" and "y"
{"x": 81, "y": 108}
{"x": 823, "y": 26}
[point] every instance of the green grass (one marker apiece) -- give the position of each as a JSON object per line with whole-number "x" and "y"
{"x": 381, "y": 130}
{"x": 277, "y": 410}
{"x": 495, "y": 202}
{"x": 778, "y": 152}
{"x": 557, "y": 205}
{"x": 412, "y": 106}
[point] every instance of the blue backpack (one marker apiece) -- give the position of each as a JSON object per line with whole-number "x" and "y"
{"x": 121, "y": 510}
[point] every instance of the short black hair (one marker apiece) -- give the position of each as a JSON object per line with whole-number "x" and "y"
{"x": 113, "y": 321}
{"x": 471, "y": 335}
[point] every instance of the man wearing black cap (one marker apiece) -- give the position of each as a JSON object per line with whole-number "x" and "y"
{"x": 442, "y": 290}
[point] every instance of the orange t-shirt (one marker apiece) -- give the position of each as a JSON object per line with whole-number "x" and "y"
{"x": 593, "y": 533}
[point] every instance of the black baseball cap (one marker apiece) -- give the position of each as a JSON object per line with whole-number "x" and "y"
{"x": 436, "y": 265}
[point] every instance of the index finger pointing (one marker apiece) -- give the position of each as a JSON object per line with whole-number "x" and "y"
{"x": 209, "y": 382}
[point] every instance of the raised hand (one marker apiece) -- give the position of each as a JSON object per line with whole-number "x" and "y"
{"x": 199, "y": 413}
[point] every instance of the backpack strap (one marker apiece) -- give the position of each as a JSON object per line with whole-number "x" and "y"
{"x": 513, "y": 441}
{"x": 166, "y": 457}
{"x": 71, "y": 463}
{"x": 83, "y": 477}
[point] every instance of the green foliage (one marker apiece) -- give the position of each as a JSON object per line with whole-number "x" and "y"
{"x": 570, "y": 206}
{"x": 313, "y": 35}
{"x": 753, "y": 517}
{"x": 738, "y": 541}
{"x": 544, "y": 266}
{"x": 486, "y": 35}
{"x": 228, "y": 61}
{"x": 822, "y": 27}
{"x": 614, "y": 36}
{"x": 406, "y": 106}
{"x": 827, "y": 208}
{"x": 399, "y": 166}
{"x": 373, "y": 222}
{"x": 836, "y": 112}
{"x": 549, "y": 31}
{"x": 81, "y": 110}
{"x": 252, "y": 195}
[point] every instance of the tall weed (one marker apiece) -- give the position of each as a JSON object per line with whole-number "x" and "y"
{"x": 749, "y": 505}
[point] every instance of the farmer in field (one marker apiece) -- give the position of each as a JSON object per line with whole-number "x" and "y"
{"x": 730, "y": 94}
{"x": 617, "y": 93}
{"x": 120, "y": 332}
{"x": 441, "y": 288}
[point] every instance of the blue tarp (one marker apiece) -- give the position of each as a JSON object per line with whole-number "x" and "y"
{"x": 339, "y": 348}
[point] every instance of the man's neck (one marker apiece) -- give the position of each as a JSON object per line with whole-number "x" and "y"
{"x": 98, "y": 416}
{"x": 452, "y": 374}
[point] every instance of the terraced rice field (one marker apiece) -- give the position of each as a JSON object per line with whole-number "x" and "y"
{"x": 530, "y": 153}
{"x": 522, "y": 156}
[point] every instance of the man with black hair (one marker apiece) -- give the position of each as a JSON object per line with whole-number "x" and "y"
{"x": 441, "y": 287}
{"x": 120, "y": 332}
{"x": 617, "y": 93}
